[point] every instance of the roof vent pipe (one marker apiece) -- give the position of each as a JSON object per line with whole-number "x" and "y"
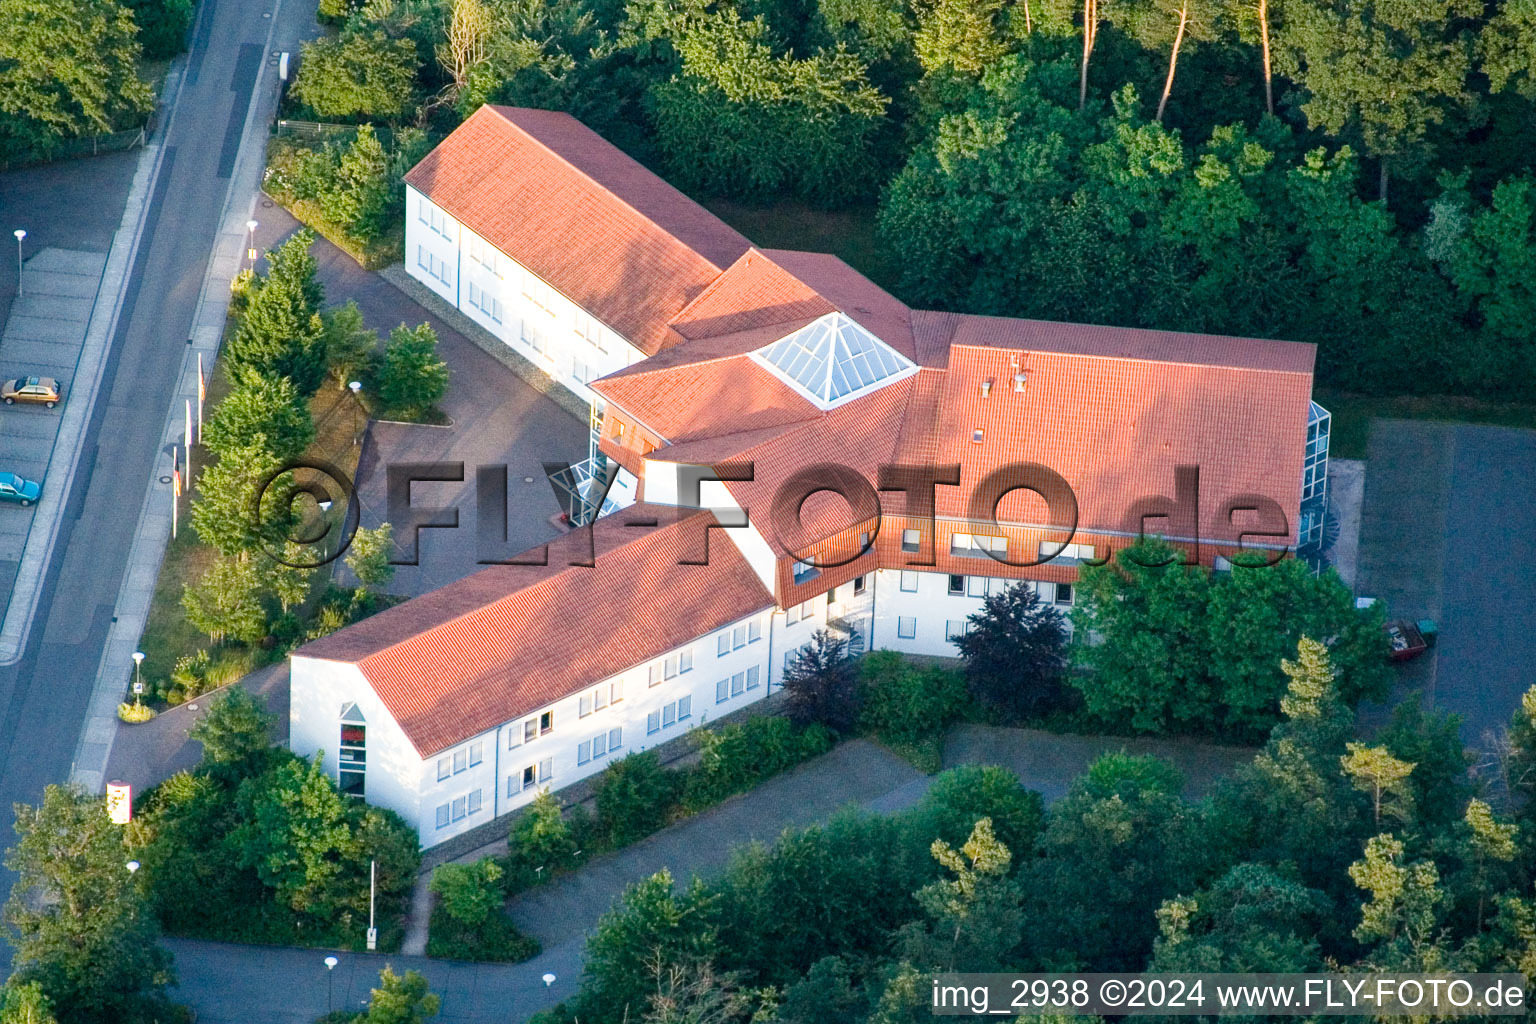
{"x": 986, "y": 387}
{"x": 1019, "y": 380}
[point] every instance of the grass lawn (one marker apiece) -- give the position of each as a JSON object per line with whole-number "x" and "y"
{"x": 1352, "y": 415}
{"x": 168, "y": 636}
{"x": 847, "y": 234}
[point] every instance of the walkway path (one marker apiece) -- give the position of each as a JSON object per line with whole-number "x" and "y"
{"x": 242, "y": 985}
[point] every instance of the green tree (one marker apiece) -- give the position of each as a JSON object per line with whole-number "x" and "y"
{"x": 225, "y": 602}
{"x": 401, "y": 999}
{"x": 1404, "y": 897}
{"x": 281, "y": 333}
{"x": 649, "y": 923}
{"x": 80, "y": 927}
{"x": 1379, "y": 74}
{"x": 412, "y": 378}
{"x": 260, "y": 410}
{"x": 295, "y": 832}
{"x": 905, "y": 702}
{"x": 1015, "y": 653}
{"x": 1507, "y": 48}
{"x": 821, "y": 683}
{"x": 71, "y": 68}
{"x": 963, "y": 37}
{"x": 634, "y": 796}
{"x": 1253, "y": 918}
{"x": 289, "y": 579}
{"x": 235, "y": 728}
{"x": 244, "y": 500}
{"x": 470, "y": 893}
{"x": 540, "y": 838}
{"x": 368, "y": 558}
{"x": 1375, "y": 772}
{"x": 1151, "y": 671}
{"x": 359, "y": 195}
{"x": 961, "y": 796}
{"x": 358, "y": 74}
{"x": 975, "y": 916}
{"x": 741, "y": 119}
{"x": 350, "y": 348}
{"x": 163, "y": 26}
{"x": 1492, "y": 262}
{"x": 1486, "y": 847}
{"x": 25, "y": 1003}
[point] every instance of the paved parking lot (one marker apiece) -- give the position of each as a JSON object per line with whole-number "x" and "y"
{"x": 1446, "y": 535}
{"x": 42, "y": 337}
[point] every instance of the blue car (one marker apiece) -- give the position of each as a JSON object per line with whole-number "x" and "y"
{"x": 22, "y": 492}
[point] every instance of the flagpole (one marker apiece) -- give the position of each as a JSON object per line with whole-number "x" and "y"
{"x": 175, "y": 488}
{"x": 187, "y": 438}
{"x": 202, "y": 394}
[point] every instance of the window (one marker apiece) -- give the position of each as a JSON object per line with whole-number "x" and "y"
{"x": 546, "y": 769}
{"x": 858, "y": 585}
{"x": 965, "y": 545}
{"x": 535, "y": 339}
{"x": 752, "y": 677}
{"x": 530, "y": 730}
{"x": 906, "y": 627}
{"x": 581, "y": 370}
{"x": 669, "y": 714}
{"x": 433, "y": 264}
{"x": 476, "y": 753}
{"x": 583, "y": 751}
{"x": 353, "y": 754}
{"x": 444, "y": 768}
{"x": 723, "y": 644}
{"x": 460, "y": 761}
{"x": 911, "y": 540}
{"x": 653, "y": 722}
{"x": 954, "y": 628}
{"x": 546, "y": 722}
{"x": 722, "y": 691}
{"x": 909, "y": 581}
{"x": 956, "y": 584}
{"x": 754, "y": 631}
{"x": 684, "y": 708}
{"x": 1065, "y": 554}
{"x": 484, "y": 301}
{"x": 1063, "y": 593}
{"x": 791, "y": 615}
{"x": 529, "y": 778}
{"x": 590, "y": 331}
{"x": 600, "y": 744}
{"x": 474, "y": 801}
{"x": 615, "y": 738}
{"x": 738, "y": 684}
{"x": 673, "y": 666}
{"x": 976, "y": 586}
{"x": 432, "y": 217}
{"x": 460, "y": 808}
{"x": 805, "y": 571}
{"x": 538, "y": 293}
{"x": 618, "y": 430}
{"x": 584, "y": 707}
{"x": 442, "y": 815}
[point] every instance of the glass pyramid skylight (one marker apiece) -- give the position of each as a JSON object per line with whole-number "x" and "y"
{"x": 833, "y": 359}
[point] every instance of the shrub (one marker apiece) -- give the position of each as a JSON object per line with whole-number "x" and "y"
{"x": 470, "y": 893}
{"x": 541, "y": 844}
{"x": 412, "y": 378}
{"x": 821, "y": 683}
{"x": 135, "y": 713}
{"x": 634, "y": 796}
{"x": 906, "y": 703}
{"x": 738, "y": 756}
{"x": 162, "y": 25}
{"x": 495, "y": 939}
{"x": 357, "y": 75}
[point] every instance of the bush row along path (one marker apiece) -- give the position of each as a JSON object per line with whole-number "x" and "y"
{"x": 229, "y": 984}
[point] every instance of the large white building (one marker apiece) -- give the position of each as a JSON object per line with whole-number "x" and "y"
{"x": 733, "y": 391}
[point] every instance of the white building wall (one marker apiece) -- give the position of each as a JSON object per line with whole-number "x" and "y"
{"x": 932, "y": 612}
{"x": 662, "y": 487}
{"x": 319, "y": 691}
{"x": 511, "y": 302}
{"x": 483, "y": 777}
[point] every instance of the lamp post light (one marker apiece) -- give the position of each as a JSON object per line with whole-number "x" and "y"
{"x": 138, "y": 679}
{"x": 549, "y": 979}
{"x": 250, "y": 242}
{"x": 356, "y": 387}
{"x": 330, "y": 981}
{"x": 20, "y": 233}
{"x": 132, "y": 866}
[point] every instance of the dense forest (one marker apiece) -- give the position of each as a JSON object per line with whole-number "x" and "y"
{"x": 1355, "y": 173}
{"x": 1322, "y": 853}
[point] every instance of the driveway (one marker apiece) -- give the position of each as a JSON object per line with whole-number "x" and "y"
{"x": 251, "y": 985}
{"x": 1446, "y": 535}
{"x": 498, "y": 419}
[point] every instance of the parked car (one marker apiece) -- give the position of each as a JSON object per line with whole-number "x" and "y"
{"x": 38, "y": 390}
{"x": 22, "y": 492}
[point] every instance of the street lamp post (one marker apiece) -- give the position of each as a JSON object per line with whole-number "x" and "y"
{"x": 132, "y": 866}
{"x": 20, "y": 233}
{"x": 138, "y": 679}
{"x": 356, "y": 388}
{"x": 549, "y": 979}
{"x": 330, "y": 981}
{"x": 250, "y": 242}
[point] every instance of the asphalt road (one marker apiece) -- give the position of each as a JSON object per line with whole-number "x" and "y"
{"x": 43, "y": 697}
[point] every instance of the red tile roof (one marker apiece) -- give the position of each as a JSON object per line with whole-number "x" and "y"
{"x": 591, "y": 222}
{"x": 511, "y": 639}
